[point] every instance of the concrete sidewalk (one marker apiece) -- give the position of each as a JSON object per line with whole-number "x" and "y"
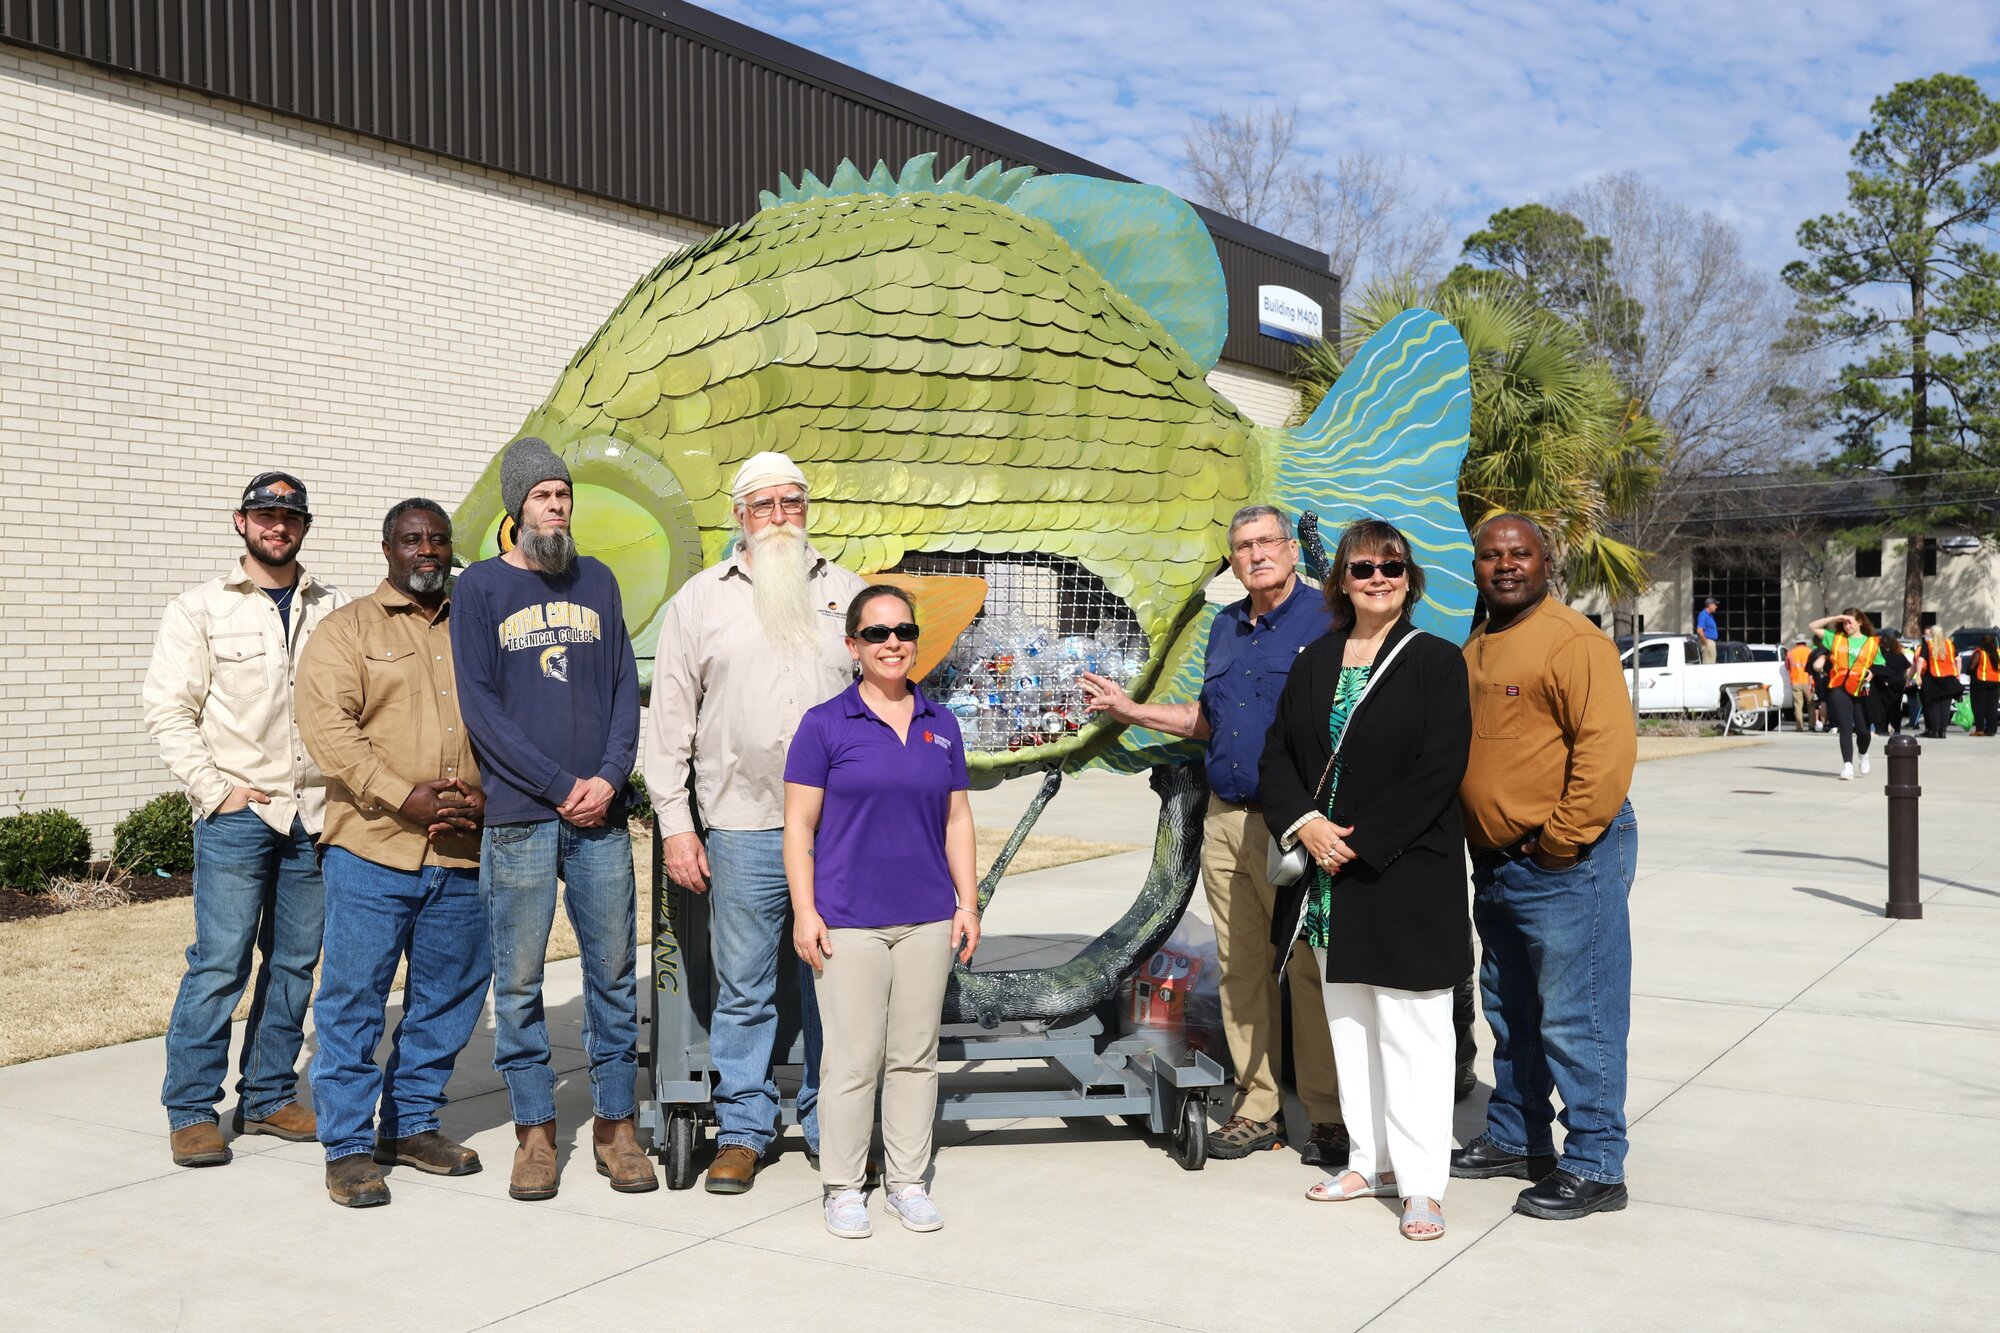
{"x": 1812, "y": 1091}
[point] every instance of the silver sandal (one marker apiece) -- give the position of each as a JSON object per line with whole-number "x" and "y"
{"x": 1382, "y": 1186}
{"x": 1419, "y": 1211}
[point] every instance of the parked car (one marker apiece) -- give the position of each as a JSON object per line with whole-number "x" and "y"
{"x": 1773, "y": 652}
{"x": 1672, "y": 678}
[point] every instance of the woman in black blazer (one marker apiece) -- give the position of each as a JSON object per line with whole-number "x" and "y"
{"x": 1386, "y": 905}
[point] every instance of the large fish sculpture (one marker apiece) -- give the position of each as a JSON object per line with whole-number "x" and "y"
{"x": 995, "y": 384}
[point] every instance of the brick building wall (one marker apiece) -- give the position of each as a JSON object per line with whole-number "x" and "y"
{"x": 194, "y": 291}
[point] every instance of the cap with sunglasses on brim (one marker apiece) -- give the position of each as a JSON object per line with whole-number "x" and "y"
{"x": 275, "y": 490}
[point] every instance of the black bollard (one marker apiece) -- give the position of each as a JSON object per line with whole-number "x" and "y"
{"x": 1903, "y": 791}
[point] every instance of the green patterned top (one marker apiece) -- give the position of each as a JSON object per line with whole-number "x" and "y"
{"x": 1315, "y": 931}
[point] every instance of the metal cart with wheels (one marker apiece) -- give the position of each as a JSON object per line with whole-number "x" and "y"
{"x": 1066, "y": 1061}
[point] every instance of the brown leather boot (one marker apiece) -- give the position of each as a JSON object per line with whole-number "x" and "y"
{"x": 429, "y": 1151}
{"x": 620, "y": 1158}
{"x": 356, "y": 1182}
{"x": 535, "y": 1174}
{"x": 291, "y": 1122}
{"x": 732, "y": 1171}
{"x": 200, "y": 1145}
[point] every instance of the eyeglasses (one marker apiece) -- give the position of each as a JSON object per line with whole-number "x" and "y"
{"x": 793, "y": 505}
{"x": 1259, "y": 545}
{"x": 1365, "y": 569}
{"x": 906, "y": 632}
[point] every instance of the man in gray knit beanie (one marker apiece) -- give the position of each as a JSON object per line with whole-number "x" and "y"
{"x": 549, "y": 691}
{"x": 528, "y": 462}
{"x": 543, "y": 537}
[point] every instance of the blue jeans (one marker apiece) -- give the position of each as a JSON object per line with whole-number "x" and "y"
{"x": 518, "y": 868}
{"x": 1555, "y": 971}
{"x": 374, "y": 916}
{"x": 750, "y": 930}
{"x": 254, "y": 888}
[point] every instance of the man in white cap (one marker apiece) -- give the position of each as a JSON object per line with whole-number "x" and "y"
{"x": 746, "y": 647}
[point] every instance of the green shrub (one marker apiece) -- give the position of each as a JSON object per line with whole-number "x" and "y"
{"x": 642, "y": 801}
{"x": 37, "y": 846}
{"x": 159, "y": 835}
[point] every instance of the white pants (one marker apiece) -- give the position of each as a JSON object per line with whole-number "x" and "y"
{"x": 1394, "y": 1049}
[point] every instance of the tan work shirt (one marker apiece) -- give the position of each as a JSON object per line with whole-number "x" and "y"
{"x": 727, "y": 702}
{"x": 1553, "y": 741}
{"x": 379, "y": 711}
{"x": 218, "y": 696}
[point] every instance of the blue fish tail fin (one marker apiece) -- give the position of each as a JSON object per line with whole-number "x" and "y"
{"x": 1387, "y": 442}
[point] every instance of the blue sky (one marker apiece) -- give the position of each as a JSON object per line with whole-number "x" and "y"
{"x": 1746, "y": 110}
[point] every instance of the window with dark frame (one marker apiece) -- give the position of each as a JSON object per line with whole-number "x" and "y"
{"x": 1745, "y": 581}
{"x": 1867, "y": 562}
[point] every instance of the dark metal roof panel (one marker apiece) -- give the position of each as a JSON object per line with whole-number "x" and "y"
{"x": 654, "y": 103}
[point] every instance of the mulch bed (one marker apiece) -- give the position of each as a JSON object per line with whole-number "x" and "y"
{"x": 146, "y": 888}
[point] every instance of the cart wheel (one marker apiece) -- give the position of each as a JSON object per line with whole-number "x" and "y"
{"x": 1191, "y": 1134}
{"x": 679, "y": 1154}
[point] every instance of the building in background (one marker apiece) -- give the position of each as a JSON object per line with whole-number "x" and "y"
{"x": 359, "y": 241}
{"x": 1772, "y": 551}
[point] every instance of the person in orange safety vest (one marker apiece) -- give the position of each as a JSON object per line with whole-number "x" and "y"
{"x": 1803, "y": 704}
{"x": 1941, "y": 688}
{"x": 1849, "y": 639}
{"x": 1986, "y": 687}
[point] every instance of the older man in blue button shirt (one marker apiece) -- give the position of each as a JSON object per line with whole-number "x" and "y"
{"x": 1251, "y": 645}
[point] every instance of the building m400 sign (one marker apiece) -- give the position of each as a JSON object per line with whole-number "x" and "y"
{"x": 1284, "y": 313}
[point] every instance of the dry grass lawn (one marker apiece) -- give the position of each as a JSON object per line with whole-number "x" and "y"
{"x": 84, "y": 979}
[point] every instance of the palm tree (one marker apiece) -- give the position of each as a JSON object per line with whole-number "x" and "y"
{"x": 1554, "y": 435}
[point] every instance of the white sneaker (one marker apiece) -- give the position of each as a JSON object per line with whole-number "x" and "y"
{"x": 915, "y": 1208}
{"x": 847, "y": 1215}
{"x": 1864, "y": 765}
{"x": 1847, "y": 772}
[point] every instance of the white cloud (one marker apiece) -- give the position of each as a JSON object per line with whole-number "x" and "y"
{"x": 1745, "y": 110}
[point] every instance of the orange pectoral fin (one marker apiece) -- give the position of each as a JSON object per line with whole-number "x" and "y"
{"x": 946, "y": 605}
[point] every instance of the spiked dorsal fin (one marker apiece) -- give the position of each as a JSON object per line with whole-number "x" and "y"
{"x": 1146, "y": 241}
{"x": 918, "y": 176}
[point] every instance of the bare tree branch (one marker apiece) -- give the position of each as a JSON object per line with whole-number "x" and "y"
{"x": 1362, "y": 212}
{"x": 1714, "y": 363}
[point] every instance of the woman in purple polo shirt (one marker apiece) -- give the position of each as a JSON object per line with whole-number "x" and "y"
{"x": 878, "y": 853}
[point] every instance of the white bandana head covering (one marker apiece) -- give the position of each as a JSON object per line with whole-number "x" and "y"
{"x": 766, "y": 469}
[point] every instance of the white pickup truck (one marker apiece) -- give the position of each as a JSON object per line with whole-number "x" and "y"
{"x": 1672, "y": 678}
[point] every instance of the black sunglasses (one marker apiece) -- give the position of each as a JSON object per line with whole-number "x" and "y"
{"x": 880, "y": 633}
{"x": 1365, "y": 569}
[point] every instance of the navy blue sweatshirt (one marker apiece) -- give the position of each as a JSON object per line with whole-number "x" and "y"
{"x": 546, "y": 684}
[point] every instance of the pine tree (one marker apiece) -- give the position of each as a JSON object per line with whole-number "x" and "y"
{"x": 1904, "y": 276}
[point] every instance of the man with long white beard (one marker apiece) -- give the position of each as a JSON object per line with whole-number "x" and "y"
{"x": 746, "y": 647}
{"x": 550, "y": 694}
